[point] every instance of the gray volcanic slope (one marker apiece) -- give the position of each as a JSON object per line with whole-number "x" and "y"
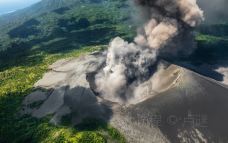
{"x": 174, "y": 105}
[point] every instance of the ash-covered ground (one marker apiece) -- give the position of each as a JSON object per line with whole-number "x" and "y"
{"x": 173, "y": 105}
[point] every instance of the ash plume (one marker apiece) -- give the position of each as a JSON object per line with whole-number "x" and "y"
{"x": 167, "y": 24}
{"x": 125, "y": 63}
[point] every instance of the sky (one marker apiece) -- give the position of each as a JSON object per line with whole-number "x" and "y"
{"x": 7, "y": 6}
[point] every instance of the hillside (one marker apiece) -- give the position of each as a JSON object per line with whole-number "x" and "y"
{"x": 159, "y": 113}
{"x": 63, "y": 29}
{"x": 32, "y": 39}
{"x": 56, "y": 18}
{"x": 36, "y": 9}
{"x": 35, "y": 37}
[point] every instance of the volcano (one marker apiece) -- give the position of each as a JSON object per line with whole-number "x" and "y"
{"x": 173, "y": 105}
{"x": 132, "y": 88}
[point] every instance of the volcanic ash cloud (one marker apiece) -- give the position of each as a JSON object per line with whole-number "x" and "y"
{"x": 125, "y": 63}
{"x": 128, "y": 64}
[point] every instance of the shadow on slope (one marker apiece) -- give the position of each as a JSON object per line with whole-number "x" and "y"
{"x": 25, "y": 30}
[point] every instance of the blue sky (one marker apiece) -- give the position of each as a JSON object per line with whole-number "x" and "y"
{"x": 12, "y": 5}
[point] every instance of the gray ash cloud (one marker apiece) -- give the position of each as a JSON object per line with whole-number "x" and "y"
{"x": 166, "y": 29}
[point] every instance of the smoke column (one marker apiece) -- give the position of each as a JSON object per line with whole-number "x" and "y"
{"x": 128, "y": 64}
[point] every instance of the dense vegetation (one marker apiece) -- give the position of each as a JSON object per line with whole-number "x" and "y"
{"x": 16, "y": 82}
{"x": 28, "y": 49}
{"x": 59, "y": 29}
